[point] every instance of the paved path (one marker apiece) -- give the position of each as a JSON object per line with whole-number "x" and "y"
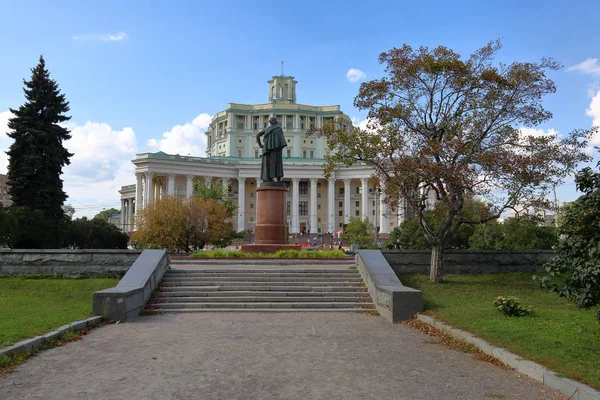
{"x": 262, "y": 356}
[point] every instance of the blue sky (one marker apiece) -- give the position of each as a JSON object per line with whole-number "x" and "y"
{"x": 145, "y": 76}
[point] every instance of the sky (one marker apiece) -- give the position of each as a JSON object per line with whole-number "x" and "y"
{"x": 148, "y": 76}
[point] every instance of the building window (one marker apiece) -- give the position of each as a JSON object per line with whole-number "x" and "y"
{"x": 289, "y": 153}
{"x": 288, "y": 208}
{"x": 279, "y": 119}
{"x": 251, "y": 219}
{"x": 252, "y": 194}
{"x": 312, "y": 154}
{"x": 373, "y": 212}
{"x": 303, "y": 188}
{"x": 340, "y": 224}
{"x": 318, "y": 195}
{"x": 318, "y": 206}
{"x": 341, "y": 190}
{"x": 240, "y": 125}
{"x": 340, "y": 213}
{"x": 302, "y": 122}
{"x": 303, "y": 153}
{"x": 318, "y": 184}
{"x": 357, "y": 214}
{"x": 319, "y": 219}
{"x": 255, "y": 153}
{"x": 240, "y": 153}
{"x": 357, "y": 204}
{"x": 373, "y": 203}
{"x": 340, "y": 204}
{"x": 251, "y": 205}
{"x": 303, "y": 207}
{"x": 358, "y": 190}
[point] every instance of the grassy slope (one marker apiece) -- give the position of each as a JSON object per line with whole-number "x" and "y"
{"x": 560, "y": 336}
{"x": 30, "y": 307}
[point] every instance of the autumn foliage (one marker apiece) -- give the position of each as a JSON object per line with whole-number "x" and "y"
{"x": 443, "y": 129}
{"x": 178, "y": 224}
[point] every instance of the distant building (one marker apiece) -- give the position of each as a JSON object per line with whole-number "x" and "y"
{"x": 314, "y": 204}
{"x": 4, "y": 196}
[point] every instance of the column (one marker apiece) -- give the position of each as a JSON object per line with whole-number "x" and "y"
{"x": 365, "y": 198}
{"x": 129, "y": 214}
{"x": 347, "y": 189}
{"x": 249, "y": 146}
{"x": 148, "y": 189}
{"x": 295, "y": 200}
{"x": 208, "y": 181}
{"x": 241, "y": 204}
{"x": 138, "y": 191}
{"x": 171, "y": 184}
{"x": 320, "y": 147}
{"x": 225, "y": 183}
{"x": 331, "y": 205}
{"x": 189, "y": 188}
{"x": 297, "y": 152}
{"x": 313, "y": 206}
{"x": 123, "y": 216}
{"x": 383, "y": 210}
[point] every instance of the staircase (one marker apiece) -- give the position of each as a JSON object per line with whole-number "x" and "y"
{"x": 273, "y": 289}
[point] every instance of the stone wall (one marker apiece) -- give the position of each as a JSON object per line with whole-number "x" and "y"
{"x": 67, "y": 263}
{"x": 469, "y": 261}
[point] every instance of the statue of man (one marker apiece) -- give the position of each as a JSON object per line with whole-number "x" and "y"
{"x": 272, "y": 159}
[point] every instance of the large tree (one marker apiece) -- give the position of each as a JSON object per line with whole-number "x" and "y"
{"x": 37, "y": 155}
{"x": 444, "y": 128}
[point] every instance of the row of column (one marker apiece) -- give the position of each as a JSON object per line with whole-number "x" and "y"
{"x": 147, "y": 192}
{"x": 127, "y": 214}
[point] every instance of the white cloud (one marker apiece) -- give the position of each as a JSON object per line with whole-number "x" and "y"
{"x": 101, "y": 162}
{"x": 589, "y": 67}
{"x": 105, "y": 37}
{"x": 184, "y": 139}
{"x": 355, "y": 75}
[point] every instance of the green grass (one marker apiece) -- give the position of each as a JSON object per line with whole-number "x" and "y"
{"x": 34, "y": 306}
{"x": 559, "y": 336}
{"x": 279, "y": 254}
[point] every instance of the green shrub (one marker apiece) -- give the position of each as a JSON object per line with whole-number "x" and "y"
{"x": 510, "y": 307}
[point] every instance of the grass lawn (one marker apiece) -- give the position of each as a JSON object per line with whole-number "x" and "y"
{"x": 559, "y": 336}
{"x": 33, "y": 306}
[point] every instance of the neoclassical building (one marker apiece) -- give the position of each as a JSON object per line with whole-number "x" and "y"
{"x": 314, "y": 205}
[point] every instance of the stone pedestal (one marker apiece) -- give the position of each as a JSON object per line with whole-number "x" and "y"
{"x": 271, "y": 230}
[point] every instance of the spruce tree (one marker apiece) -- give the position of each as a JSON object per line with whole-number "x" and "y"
{"x": 37, "y": 155}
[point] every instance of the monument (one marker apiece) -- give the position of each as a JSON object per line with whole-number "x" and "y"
{"x": 271, "y": 230}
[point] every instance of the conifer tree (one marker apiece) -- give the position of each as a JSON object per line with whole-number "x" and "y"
{"x": 37, "y": 155}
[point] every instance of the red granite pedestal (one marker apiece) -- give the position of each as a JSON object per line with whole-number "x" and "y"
{"x": 271, "y": 230}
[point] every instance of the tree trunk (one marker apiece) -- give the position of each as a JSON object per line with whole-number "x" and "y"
{"x": 437, "y": 265}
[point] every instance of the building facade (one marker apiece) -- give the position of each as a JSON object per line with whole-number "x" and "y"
{"x": 314, "y": 204}
{"x": 4, "y": 196}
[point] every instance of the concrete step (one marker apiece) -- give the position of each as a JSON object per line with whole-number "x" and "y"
{"x": 208, "y": 274}
{"x": 270, "y": 310}
{"x": 273, "y": 279}
{"x": 258, "y": 299}
{"x": 255, "y": 283}
{"x": 263, "y": 271}
{"x": 261, "y": 288}
{"x": 329, "y": 304}
{"x": 249, "y": 293}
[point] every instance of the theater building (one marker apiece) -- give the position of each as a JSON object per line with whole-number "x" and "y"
{"x": 314, "y": 204}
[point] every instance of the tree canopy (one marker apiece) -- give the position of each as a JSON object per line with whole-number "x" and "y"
{"x": 37, "y": 155}
{"x": 104, "y": 215}
{"x": 447, "y": 129}
{"x": 575, "y": 270}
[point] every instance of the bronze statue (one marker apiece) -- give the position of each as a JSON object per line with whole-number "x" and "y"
{"x": 272, "y": 158}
